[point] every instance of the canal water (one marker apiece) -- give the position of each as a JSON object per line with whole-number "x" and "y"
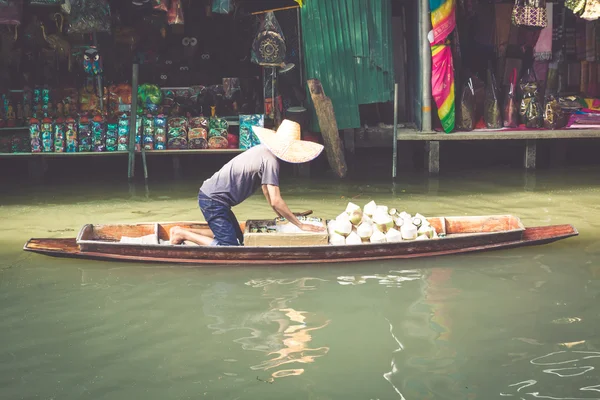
{"x": 520, "y": 323}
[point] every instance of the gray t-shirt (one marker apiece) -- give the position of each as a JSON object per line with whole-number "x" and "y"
{"x": 239, "y": 178}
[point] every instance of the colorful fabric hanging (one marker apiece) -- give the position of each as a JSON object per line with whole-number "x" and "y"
{"x": 443, "y": 19}
{"x": 442, "y": 84}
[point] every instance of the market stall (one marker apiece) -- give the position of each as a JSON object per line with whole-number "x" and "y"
{"x": 519, "y": 70}
{"x": 205, "y": 72}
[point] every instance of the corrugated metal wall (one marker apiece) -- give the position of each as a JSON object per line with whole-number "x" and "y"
{"x": 348, "y": 46}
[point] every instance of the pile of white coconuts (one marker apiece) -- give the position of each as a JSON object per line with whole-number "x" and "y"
{"x": 377, "y": 224}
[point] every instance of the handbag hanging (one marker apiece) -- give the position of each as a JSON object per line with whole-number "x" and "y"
{"x": 530, "y": 13}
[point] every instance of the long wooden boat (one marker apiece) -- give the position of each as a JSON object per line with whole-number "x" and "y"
{"x": 460, "y": 235}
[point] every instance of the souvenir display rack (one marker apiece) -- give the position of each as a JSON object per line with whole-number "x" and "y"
{"x": 75, "y": 93}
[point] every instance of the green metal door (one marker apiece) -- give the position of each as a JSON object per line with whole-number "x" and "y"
{"x": 348, "y": 46}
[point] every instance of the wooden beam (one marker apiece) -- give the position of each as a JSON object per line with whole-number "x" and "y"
{"x": 433, "y": 157}
{"x": 407, "y": 134}
{"x": 530, "y": 154}
{"x": 176, "y": 167}
{"x": 329, "y": 128}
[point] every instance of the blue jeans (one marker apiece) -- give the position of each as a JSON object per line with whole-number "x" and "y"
{"x": 221, "y": 221}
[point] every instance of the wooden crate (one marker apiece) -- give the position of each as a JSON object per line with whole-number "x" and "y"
{"x": 282, "y": 239}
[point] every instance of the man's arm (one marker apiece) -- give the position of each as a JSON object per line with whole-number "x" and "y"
{"x": 266, "y": 193}
{"x": 274, "y": 198}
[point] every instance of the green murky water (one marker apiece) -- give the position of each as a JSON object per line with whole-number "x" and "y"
{"x": 520, "y": 324}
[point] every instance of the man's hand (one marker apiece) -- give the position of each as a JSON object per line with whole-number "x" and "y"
{"x": 312, "y": 228}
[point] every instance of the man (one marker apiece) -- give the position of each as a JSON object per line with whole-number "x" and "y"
{"x": 240, "y": 178}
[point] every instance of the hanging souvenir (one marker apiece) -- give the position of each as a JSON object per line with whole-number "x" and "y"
{"x": 89, "y": 16}
{"x": 123, "y": 133}
{"x": 592, "y": 10}
{"x": 491, "y": 111}
{"x": 175, "y": 14}
{"x": 554, "y": 117}
{"x": 530, "y": 13}
{"x": 222, "y": 6}
{"x": 59, "y": 135}
{"x": 98, "y": 134}
{"x": 248, "y": 138}
{"x": 269, "y": 46}
{"x": 47, "y": 133}
{"x": 160, "y": 132}
{"x": 84, "y": 130}
{"x": 577, "y": 6}
{"x": 160, "y": 5}
{"x": 35, "y": 135}
{"x": 11, "y": 12}
{"x": 148, "y": 132}
{"x": 218, "y": 142}
{"x": 511, "y": 113}
{"x": 71, "y": 139}
{"x": 197, "y": 138}
{"x": 530, "y": 108}
{"x": 465, "y": 113}
{"x": 92, "y": 62}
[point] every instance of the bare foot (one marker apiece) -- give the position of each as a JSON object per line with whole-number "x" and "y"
{"x": 176, "y": 235}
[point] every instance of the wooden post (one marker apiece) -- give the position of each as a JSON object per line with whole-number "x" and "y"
{"x": 530, "y": 153}
{"x": 176, "y": 167}
{"x": 133, "y": 121}
{"x": 329, "y": 129}
{"x": 433, "y": 157}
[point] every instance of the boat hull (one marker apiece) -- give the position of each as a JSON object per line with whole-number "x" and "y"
{"x": 207, "y": 256}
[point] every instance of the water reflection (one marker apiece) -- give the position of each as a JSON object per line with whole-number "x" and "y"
{"x": 575, "y": 368}
{"x": 435, "y": 373}
{"x": 286, "y": 346}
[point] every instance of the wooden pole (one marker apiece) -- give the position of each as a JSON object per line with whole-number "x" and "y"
{"x": 395, "y": 142}
{"x": 133, "y": 121}
{"x": 274, "y": 10}
{"x": 329, "y": 129}
{"x": 99, "y": 78}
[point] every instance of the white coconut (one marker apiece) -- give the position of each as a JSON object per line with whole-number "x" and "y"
{"x": 343, "y": 227}
{"x": 422, "y": 237}
{"x": 367, "y": 219}
{"x": 370, "y": 208}
{"x": 351, "y": 207}
{"x": 404, "y": 215}
{"x": 331, "y": 227}
{"x": 365, "y": 230}
{"x": 417, "y": 215}
{"x": 426, "y": 230}
{"x": 409, "y": 232}
{"x": 343, "y": 217}
{"x": 356, "y": 217}
{"x": 337, "y": 240}
{"x": 377, "y": 237}
{"x": 353, "y": 238}
{"x": 383, "y": 209}
{"x": 383, "y": 221}
{"x": 398, "y": 222}
{"x": 393, "y": 236}
{"x": 393, "y": 212}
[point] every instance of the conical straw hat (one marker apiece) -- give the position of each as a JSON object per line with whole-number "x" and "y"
{"x": 286, "y": 143}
